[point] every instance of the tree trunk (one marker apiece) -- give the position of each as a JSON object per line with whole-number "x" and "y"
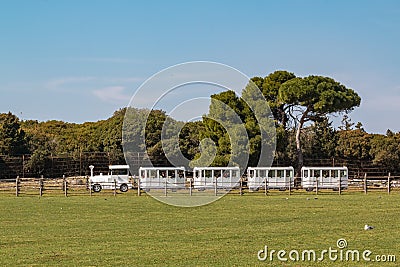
{"x": 300, "y": 159}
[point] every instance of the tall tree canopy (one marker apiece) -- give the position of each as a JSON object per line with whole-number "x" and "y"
{"x": 385, "y": 150}
{"x": 269, "y": 87}
{"x": 312, "y": 98}
{"x": 240, "y": 128}
{"x": 225, "y": 108}
{"x": 11, "y": 135}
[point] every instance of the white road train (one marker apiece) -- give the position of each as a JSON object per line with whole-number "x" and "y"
{"x": 281, "y": 178}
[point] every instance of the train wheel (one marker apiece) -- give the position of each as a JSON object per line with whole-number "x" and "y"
{"x": 96, "y": 188}
{"x": 123, "y": 188}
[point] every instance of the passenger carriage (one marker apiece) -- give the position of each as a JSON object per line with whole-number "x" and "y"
{"x": 281, "y": 178}
{"x": 324, "y": 178}
{"x": 219, "y": 177}
{"x": 162, "y": 177}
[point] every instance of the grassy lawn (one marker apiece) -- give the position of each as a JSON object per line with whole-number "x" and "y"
{"x": 128, "y": 230}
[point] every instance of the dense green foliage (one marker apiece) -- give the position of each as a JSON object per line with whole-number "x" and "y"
{"x": 294, "y": 102}
{"x": 224, "y": 121}
{"x": 320, "y": 141}
{"x": 311, "y": 99}
{"x": 11, "y": 135}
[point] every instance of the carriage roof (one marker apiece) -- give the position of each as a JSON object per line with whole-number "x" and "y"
{"x": 270, "y": 168}
{"x": 163, "y": 168}
{"x": 216, "y": 168}
{"x": 118, "y": 167}
{"x": 324, "y": 168}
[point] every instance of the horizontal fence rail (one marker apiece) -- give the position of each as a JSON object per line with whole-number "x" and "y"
{"x": 81, "y": 185}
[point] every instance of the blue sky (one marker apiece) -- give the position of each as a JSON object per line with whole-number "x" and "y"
{"x": 81, "y": 60}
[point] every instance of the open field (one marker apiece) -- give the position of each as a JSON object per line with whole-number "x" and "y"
{"x": 128, "y": 230}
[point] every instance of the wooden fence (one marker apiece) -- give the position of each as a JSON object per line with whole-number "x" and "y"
{"x": 80, "y": 185}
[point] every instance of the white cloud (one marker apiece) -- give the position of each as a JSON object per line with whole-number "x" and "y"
{"x": 122, "y": 79}
{"x": 112, "y": 94}
{"x": 59, "y": 82}
{"x": 69, "y": 82}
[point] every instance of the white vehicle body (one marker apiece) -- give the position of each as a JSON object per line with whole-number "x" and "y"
{"x": 273, "y": 177}
{"x": 118, "y": 178}
{"x": 221, "y": 177}
{"x": 324, "y": 178}
{"x": 162, "y": 177}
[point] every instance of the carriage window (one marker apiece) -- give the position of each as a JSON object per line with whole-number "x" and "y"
{"x": 152, "y": 173}
{"x": 271, "y": 173}
{"x": 250, "y": 173}
{"x": 120, "y": 172}
{"x": 234, "y": 174}
{"x": 343, "y": 173}
{"x": 170, "y": 173}
{"x": 325, "y": 173}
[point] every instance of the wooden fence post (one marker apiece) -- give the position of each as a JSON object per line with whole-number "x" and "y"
{"x": 87, "y": 182}
{"x": 17, "y": 186}
{"x": 165, "y": 187}
{"x": 240, "y": 186}
{"x": 63, "y": 184}
{"x": 65, "y": 188}
{"x": 266, "y": 186}
{"x": 388, "y": 184}
{"x": 41, "y": 185}
{"x": 115, "y": 187}
{"x": 316, "y": 187}
{"x": 215, "y": 187}
{"x": 365, "y": 184}
{"x": 340, "y": 184}
{"x": 90, "y": 188}
{"x": 138, "y": 186}
{"x": 190, "y": 187}
{"x": 290, "y": 186}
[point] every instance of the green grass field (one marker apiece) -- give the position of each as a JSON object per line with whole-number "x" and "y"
{"x": 129, "y": 230}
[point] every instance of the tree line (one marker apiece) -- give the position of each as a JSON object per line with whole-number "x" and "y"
{"x": 300, "y": 109}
